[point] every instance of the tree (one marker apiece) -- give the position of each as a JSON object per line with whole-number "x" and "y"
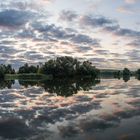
{"x": 117, "y": 74}
{"x": 126, "y": 71}
{"x": 1, "y": 72}
{"x": 138, "y": 72}
{"x": 6, "y": 69}
{"x": 86, "y": 68}
{"x": 28, "y": 69}
{"x": 67, "y": 67}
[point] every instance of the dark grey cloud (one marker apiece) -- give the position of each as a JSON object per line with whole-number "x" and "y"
{"x": 53, "y": 33}
{"x": 84, "y": 39}
{"x": 88, "y": 125}
{"x": 122, "y": 32}
{"x": 98, "y": 60}
{"x": 16, "y": 128}
{"x": 111, "y": 28}
{"x": 96, "y": 21}
{"x": 127, "y": 32}
{"x": 102, "y": 52}
{"x": 67, "y": 15}
{"x": 14, "y": 18}
{"x": 33, "y": 56}
{"x": 108, "y": 25}
{"x": 93, "y": 125}
{"x": 68, "y": 131}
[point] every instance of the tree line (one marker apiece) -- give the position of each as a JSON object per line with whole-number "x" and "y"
{"x": 63, "y": 67}
{"x": 6, "y": 69}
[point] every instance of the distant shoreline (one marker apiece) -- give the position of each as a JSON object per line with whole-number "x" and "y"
{"x": 63, "y": 67}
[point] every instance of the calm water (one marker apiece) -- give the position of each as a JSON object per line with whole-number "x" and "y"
{"x": 70, "y": 110}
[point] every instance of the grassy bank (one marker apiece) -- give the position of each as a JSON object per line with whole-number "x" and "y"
{"x": 25, "y": 77}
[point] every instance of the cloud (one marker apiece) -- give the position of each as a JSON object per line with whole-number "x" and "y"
{"x": 43, "y": 39}
{"x": 68, "y": 15}
{"x": 127, "y": 32}
{"x": 34, "y": 31}
{"x": 98, "y": 60}
{"x": 111, "y": 28}
{"x": 101, "y": 52}
{"x": 87, "y": 126}
{"x": 51, "y": 32}
{"x": 84, "y": 39}
{"x": 95, "y": 21}
{"x": 33, "y": 5}
{"x": 107, "y": 25}
{"x": 16, "y": 128}
{"x": 14, "y": 18}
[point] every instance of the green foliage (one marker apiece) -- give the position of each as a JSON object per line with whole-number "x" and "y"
{"x": 138, "y": 72}
{"x": 86, "y": 68}
{"x": 67, "y": 67}
{"x": 28, "y": 69}
{"x": 126, "y": 71}
{"x": 6, "y": 84}
{"x": 63, "y": 87}
{"x": 6, "y": 69}
{"x": 117, "y": 74}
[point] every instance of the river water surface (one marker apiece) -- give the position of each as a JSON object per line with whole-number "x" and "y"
{"x": 107, "y": 109}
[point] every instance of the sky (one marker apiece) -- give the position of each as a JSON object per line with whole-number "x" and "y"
{"x": 106, "y": 32}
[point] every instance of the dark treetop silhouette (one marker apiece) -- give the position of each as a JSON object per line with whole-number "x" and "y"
{"x": 64, "y": 67}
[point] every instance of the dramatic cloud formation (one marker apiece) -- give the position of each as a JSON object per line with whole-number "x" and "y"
{"x": 33, "y": 31}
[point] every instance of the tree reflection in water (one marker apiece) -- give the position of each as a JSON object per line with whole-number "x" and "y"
{"x": 64, "y": 87}
{"x": 6, "y": 84}
{"x": 126, "y": 78}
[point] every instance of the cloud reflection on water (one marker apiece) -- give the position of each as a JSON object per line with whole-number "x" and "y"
{"x": 100, "y": 110}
